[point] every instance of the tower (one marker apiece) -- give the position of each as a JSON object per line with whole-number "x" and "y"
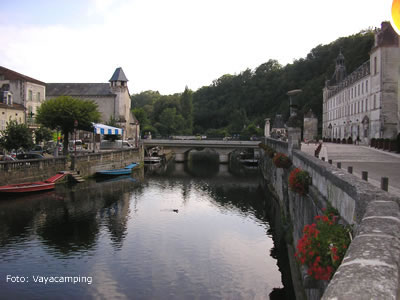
{"x": 340, "y": 68}
{"x": 122, "y": 105}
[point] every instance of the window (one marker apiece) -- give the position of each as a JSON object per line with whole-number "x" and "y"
{"x": 38, "y": 96}
{"x": 375, "y": 65}
{"x": 30, "y": 95}
{"x": 362, "y": 105}
{"x": 362, "y": 88}
{"x": 366, "y": 104}
{"x": 366, "y": 86}
{"x": 374, "y": 101}
{"x": 358, "y": 89}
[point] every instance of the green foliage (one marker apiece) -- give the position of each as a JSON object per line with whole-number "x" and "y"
{"x": 43, "y": 134}
{"x": 282, "y": 161}
{"x": 61, "y": 112}
{"x": 16, "y": 136}
{"x": 187, "y": 110}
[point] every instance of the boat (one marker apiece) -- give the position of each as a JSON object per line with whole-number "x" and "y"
{"x": 117, "y": 172}
{"x": 28, "y": 187}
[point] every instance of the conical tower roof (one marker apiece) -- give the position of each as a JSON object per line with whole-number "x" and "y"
{"x": 118, "y": 75}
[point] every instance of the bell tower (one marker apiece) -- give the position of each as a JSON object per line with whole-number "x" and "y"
{"x": 122, "y": 105}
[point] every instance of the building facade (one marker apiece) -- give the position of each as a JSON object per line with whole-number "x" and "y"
{"x": 366, "y": 103}
{"x": 23, "y": 93}
{"x": 113, "y": 101}
{"x": 310, "y": 125}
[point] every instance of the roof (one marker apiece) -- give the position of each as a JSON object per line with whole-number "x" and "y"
{"x": 118, "y": 75}
{"x": 14, "y": 106}
{"x": 278, "y": 122}
{"x": 78, "y": 89}
{"x": 12, "y": 75}
{"x": 106, "y": 129}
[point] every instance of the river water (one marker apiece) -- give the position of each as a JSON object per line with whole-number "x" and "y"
{"x": 188, "y": 232}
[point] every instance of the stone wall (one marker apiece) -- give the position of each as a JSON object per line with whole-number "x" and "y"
{"x": 370, "y": 269}
{"x": 87, "y": 165}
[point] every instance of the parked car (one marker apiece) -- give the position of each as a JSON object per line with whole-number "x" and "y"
{"x": 37, "y": 149}
{"x": 6, "y": 158}
{"x": 29, "y": 156}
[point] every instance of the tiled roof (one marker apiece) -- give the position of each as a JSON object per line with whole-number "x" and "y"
{"x": 12, "y": 75}
{"x": 14, "y": 106}
{"x": 118, "y": 75}
{"x": 78, "y": 89}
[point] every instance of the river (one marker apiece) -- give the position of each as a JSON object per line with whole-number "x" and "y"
{"x": 188, "y": 232}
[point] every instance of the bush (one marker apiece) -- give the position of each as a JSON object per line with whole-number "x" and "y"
{"x": 282, "y": 161}
{"x": 269, "y": 151}
{"x": 299, "y": 181}
{"x": 373, "y": 142}
{"x": 323, "y": 246}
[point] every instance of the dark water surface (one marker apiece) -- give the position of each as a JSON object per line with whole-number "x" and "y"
{"x": 187, "y": 234}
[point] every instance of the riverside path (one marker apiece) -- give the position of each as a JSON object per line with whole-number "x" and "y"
{"x": 376, "y": 162}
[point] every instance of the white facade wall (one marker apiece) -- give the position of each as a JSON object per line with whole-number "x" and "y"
{"x": 365, "y": 104}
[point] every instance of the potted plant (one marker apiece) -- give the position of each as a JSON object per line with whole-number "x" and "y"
{"x": 323, "y": 246}
{"x": 299, "y": 180}
{"x": 282, "y": 161}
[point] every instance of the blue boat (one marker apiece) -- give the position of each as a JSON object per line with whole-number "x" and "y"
{"x": 117, "y": 172}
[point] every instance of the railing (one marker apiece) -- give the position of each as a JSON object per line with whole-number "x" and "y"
{"x": 39, "y": 164}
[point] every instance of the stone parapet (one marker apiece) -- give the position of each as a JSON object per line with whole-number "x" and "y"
{"x": 371, "y": 267}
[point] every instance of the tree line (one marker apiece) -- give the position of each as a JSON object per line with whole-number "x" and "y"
{"x": 239, "y": 103}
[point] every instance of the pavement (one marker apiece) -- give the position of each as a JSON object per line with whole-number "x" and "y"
{"x": 377, "y": 163}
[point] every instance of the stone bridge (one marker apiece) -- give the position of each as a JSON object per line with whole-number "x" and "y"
{"x": 181, "y": 148}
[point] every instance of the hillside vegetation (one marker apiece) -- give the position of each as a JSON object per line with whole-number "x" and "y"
{"x": 238, "y": 104}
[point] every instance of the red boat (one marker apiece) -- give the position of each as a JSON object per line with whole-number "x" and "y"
{"x": 48, "y": 184}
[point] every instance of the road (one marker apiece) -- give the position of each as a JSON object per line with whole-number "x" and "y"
{"x": 377, "y": 163}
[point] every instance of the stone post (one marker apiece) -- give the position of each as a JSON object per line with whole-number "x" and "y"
{"x": 294, "y": 139}
{"x": 267, "y": 128}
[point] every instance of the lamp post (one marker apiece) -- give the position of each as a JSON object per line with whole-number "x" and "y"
{"x": 75, "y": 127}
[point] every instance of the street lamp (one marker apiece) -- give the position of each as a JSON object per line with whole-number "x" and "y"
{"x": 75, "y": 127}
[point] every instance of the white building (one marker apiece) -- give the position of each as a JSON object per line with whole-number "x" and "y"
{"x": 366, "y": 103}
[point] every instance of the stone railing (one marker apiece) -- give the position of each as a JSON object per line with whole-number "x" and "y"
{"x": 370, "y": 269}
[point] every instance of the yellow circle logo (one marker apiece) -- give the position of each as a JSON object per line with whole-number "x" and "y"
{"x": 396, "y": 15}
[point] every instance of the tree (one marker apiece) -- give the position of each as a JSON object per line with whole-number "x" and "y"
{"x": 61, "y": 112}
{"x": 187, "y": 110}
{"x": 16, "y": 136}
{"x": 43, "y": 134}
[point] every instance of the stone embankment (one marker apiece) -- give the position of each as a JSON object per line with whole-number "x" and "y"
{"x": 86, "y": 165}
{"x": 370, "y": 269}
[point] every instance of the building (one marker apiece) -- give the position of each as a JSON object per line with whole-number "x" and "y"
{"x": 278, "y": 129}
{"x": 23, "y": 93}
{"x": 310, "y": 125}
{"x": 113, "y": 100}
{"x": 365, "y": 104}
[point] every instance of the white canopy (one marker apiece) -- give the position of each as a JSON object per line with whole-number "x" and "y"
{"x": 106, "y": 130}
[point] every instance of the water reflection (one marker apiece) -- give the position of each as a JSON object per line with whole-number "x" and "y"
{"x": 187, "y": 232}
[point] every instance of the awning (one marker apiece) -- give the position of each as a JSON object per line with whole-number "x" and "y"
{"x": 106, "y": 130}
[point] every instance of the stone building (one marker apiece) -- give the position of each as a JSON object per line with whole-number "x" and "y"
{"x": 113, "y": 100}
{"x": 278, "y": 129}
{"x": 365, "y": 103}
{"x": 310, "y": 131}
{"x": 23, "y": 93}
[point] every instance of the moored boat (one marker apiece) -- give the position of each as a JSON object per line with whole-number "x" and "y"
{"x": 27, "y": 187}
{"x": 117, "y": 172}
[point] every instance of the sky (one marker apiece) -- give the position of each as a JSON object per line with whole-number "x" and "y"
{"x": 165, "y": 45}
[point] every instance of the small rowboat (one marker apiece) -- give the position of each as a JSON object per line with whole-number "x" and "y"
{"x": 117, "y": 172}
{"x": 27, "y": 187}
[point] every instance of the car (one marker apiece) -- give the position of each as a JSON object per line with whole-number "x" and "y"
{"x": 37, "y": 149}
{"x": 29, "y": 156}
{"x": 7, "y": 158}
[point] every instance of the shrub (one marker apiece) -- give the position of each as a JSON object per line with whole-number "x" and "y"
{"x": 323, "y": 246}
{"x": 282, "y": 161}
{"x": 268, "y": 150}
{"x": 299, "y": 181}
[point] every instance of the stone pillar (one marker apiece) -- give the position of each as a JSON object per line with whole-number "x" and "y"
{"x": 294, "y": 139}
{"x": 267, "y": 128}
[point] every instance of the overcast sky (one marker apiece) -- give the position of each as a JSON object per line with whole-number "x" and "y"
{"x": 165, "y": 45}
